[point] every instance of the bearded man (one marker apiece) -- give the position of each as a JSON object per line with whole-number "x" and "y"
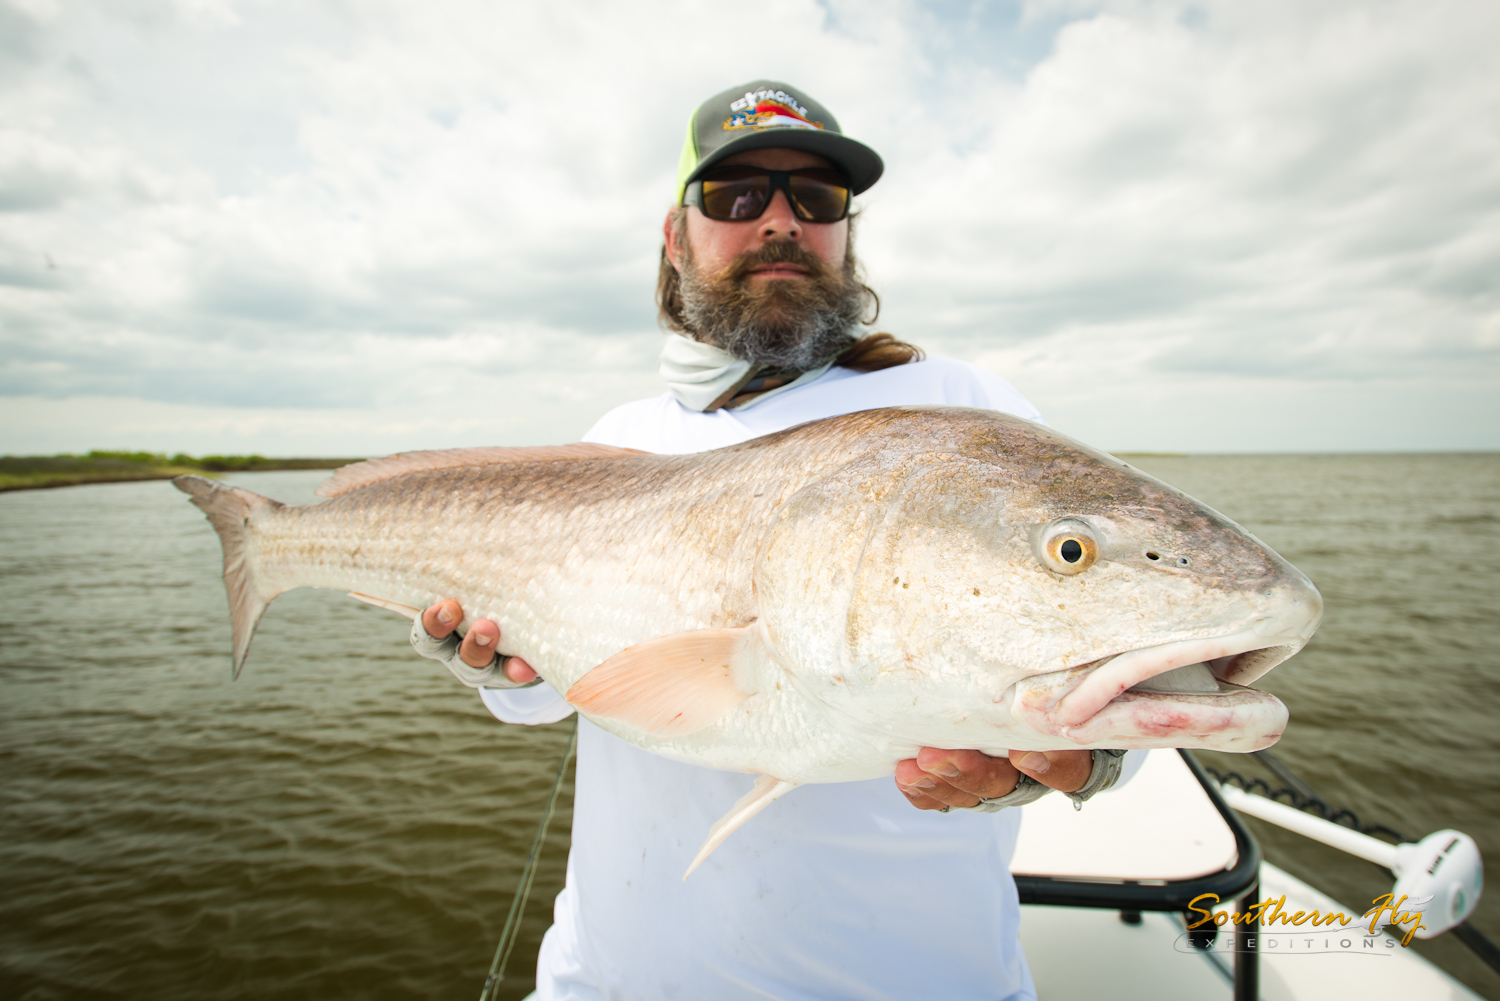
{"x": 842, "y": 890}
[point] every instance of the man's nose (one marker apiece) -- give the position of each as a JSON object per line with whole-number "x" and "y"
{"x": 779, "y": 222}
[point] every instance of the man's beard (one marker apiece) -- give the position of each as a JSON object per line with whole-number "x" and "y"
{"x": 780, "y": 323}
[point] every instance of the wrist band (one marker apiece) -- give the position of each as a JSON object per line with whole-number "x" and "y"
{"x": 1027, "y": 790}
{"x": 1104, "y": 773}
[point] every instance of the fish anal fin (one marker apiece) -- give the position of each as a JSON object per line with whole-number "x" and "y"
{"x": 362, "y": 474}
{"x": 766, "y": 790}
{"x": 394, "y": 606}
{"x": 673, "y": 685}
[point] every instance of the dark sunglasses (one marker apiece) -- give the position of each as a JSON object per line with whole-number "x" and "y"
{"x": 737, "y": 194}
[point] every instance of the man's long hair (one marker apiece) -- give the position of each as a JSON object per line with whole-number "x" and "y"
{"x": 870, "y": 353}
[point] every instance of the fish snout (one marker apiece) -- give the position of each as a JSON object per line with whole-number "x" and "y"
{"x": 1292, "y": 613}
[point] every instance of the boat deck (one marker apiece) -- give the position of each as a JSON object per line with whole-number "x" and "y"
{"x": 1165, "y": 830}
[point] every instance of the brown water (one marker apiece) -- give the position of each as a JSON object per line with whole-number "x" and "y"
{"x": 345, "y": 821}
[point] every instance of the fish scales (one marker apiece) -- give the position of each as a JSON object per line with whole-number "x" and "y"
{"x": 510, "y": 543}
{"x": 816, "y": 604}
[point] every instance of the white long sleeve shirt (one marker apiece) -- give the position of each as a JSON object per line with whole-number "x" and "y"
{"x": 834, "y": 891}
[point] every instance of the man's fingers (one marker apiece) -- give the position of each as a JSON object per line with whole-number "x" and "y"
{"x": 442, "y": 618}
{"x": 908, "y": 772}
{"x": 1065, "y": 771}
{"x": 922, "y": 801}
{"x": 478, "y": 647}
{"x": 479, "y": 644}
{"x": 936, "y": 778}
{"x": 928, "y": 792}
{"x": 972, "y": 772}
{"x": 519, "y": 671}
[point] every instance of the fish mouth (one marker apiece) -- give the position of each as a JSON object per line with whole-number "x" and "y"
{"x": 1189, "y": 693}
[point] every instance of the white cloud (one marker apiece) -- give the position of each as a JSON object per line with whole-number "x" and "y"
{"x": 320, "y": 228}
{"x": 1270, "y": 199}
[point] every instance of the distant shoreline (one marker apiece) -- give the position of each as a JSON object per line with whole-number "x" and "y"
{"x": 47, "y": 472}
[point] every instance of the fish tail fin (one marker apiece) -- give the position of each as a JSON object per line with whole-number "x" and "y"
{"x": 232, "y": 511}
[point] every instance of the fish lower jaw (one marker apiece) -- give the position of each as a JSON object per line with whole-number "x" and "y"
{"x": 1234, "y": 719}
{"x": 1180, "y": 694}
{"x": 1186, "y": 667}
{"x": 1227, "y": 718}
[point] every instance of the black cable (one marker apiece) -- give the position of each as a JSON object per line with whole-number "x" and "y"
{"x": 1284, "y": 772}
{"x": 1308, "y": 802}
{"x": 1482, "y": 947}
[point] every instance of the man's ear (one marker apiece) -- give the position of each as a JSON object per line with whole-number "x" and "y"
{"x": 669, "y": 233}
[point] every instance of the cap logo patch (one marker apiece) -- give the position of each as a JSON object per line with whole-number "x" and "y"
{"x": 765, "y": 109}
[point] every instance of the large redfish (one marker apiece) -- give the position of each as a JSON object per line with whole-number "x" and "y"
{"x": 817, "y": 604}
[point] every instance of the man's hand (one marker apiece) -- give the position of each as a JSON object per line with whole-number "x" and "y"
{"x": 936, "y": 779}
{"x": 478, "y": 647}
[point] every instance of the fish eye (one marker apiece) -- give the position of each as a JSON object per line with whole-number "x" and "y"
{"x": 1068, "y": 546}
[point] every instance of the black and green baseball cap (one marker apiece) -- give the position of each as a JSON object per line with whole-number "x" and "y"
{"x": 764, "y": 114}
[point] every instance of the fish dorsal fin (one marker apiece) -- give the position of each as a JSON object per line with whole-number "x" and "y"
{"x": 765, "y": 791}
{"x": 362, "y": 474}
{"x": 674, "y": 685}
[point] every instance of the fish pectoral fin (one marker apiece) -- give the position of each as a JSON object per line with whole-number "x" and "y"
{"x": 395, "y": 606}
{"x": 674, "y": 685}
{"x": 766, "y": 790}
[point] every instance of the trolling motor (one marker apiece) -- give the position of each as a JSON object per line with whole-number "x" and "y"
{"x": 1441, "y": 876}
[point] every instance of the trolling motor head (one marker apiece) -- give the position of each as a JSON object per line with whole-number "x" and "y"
{"x": 1441, "y": 877}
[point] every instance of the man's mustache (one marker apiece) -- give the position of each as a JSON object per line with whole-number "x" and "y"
{"x": 775, "y": 252}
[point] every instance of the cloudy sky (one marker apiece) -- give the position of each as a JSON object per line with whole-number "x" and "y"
{"x": 327, "y": 227}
